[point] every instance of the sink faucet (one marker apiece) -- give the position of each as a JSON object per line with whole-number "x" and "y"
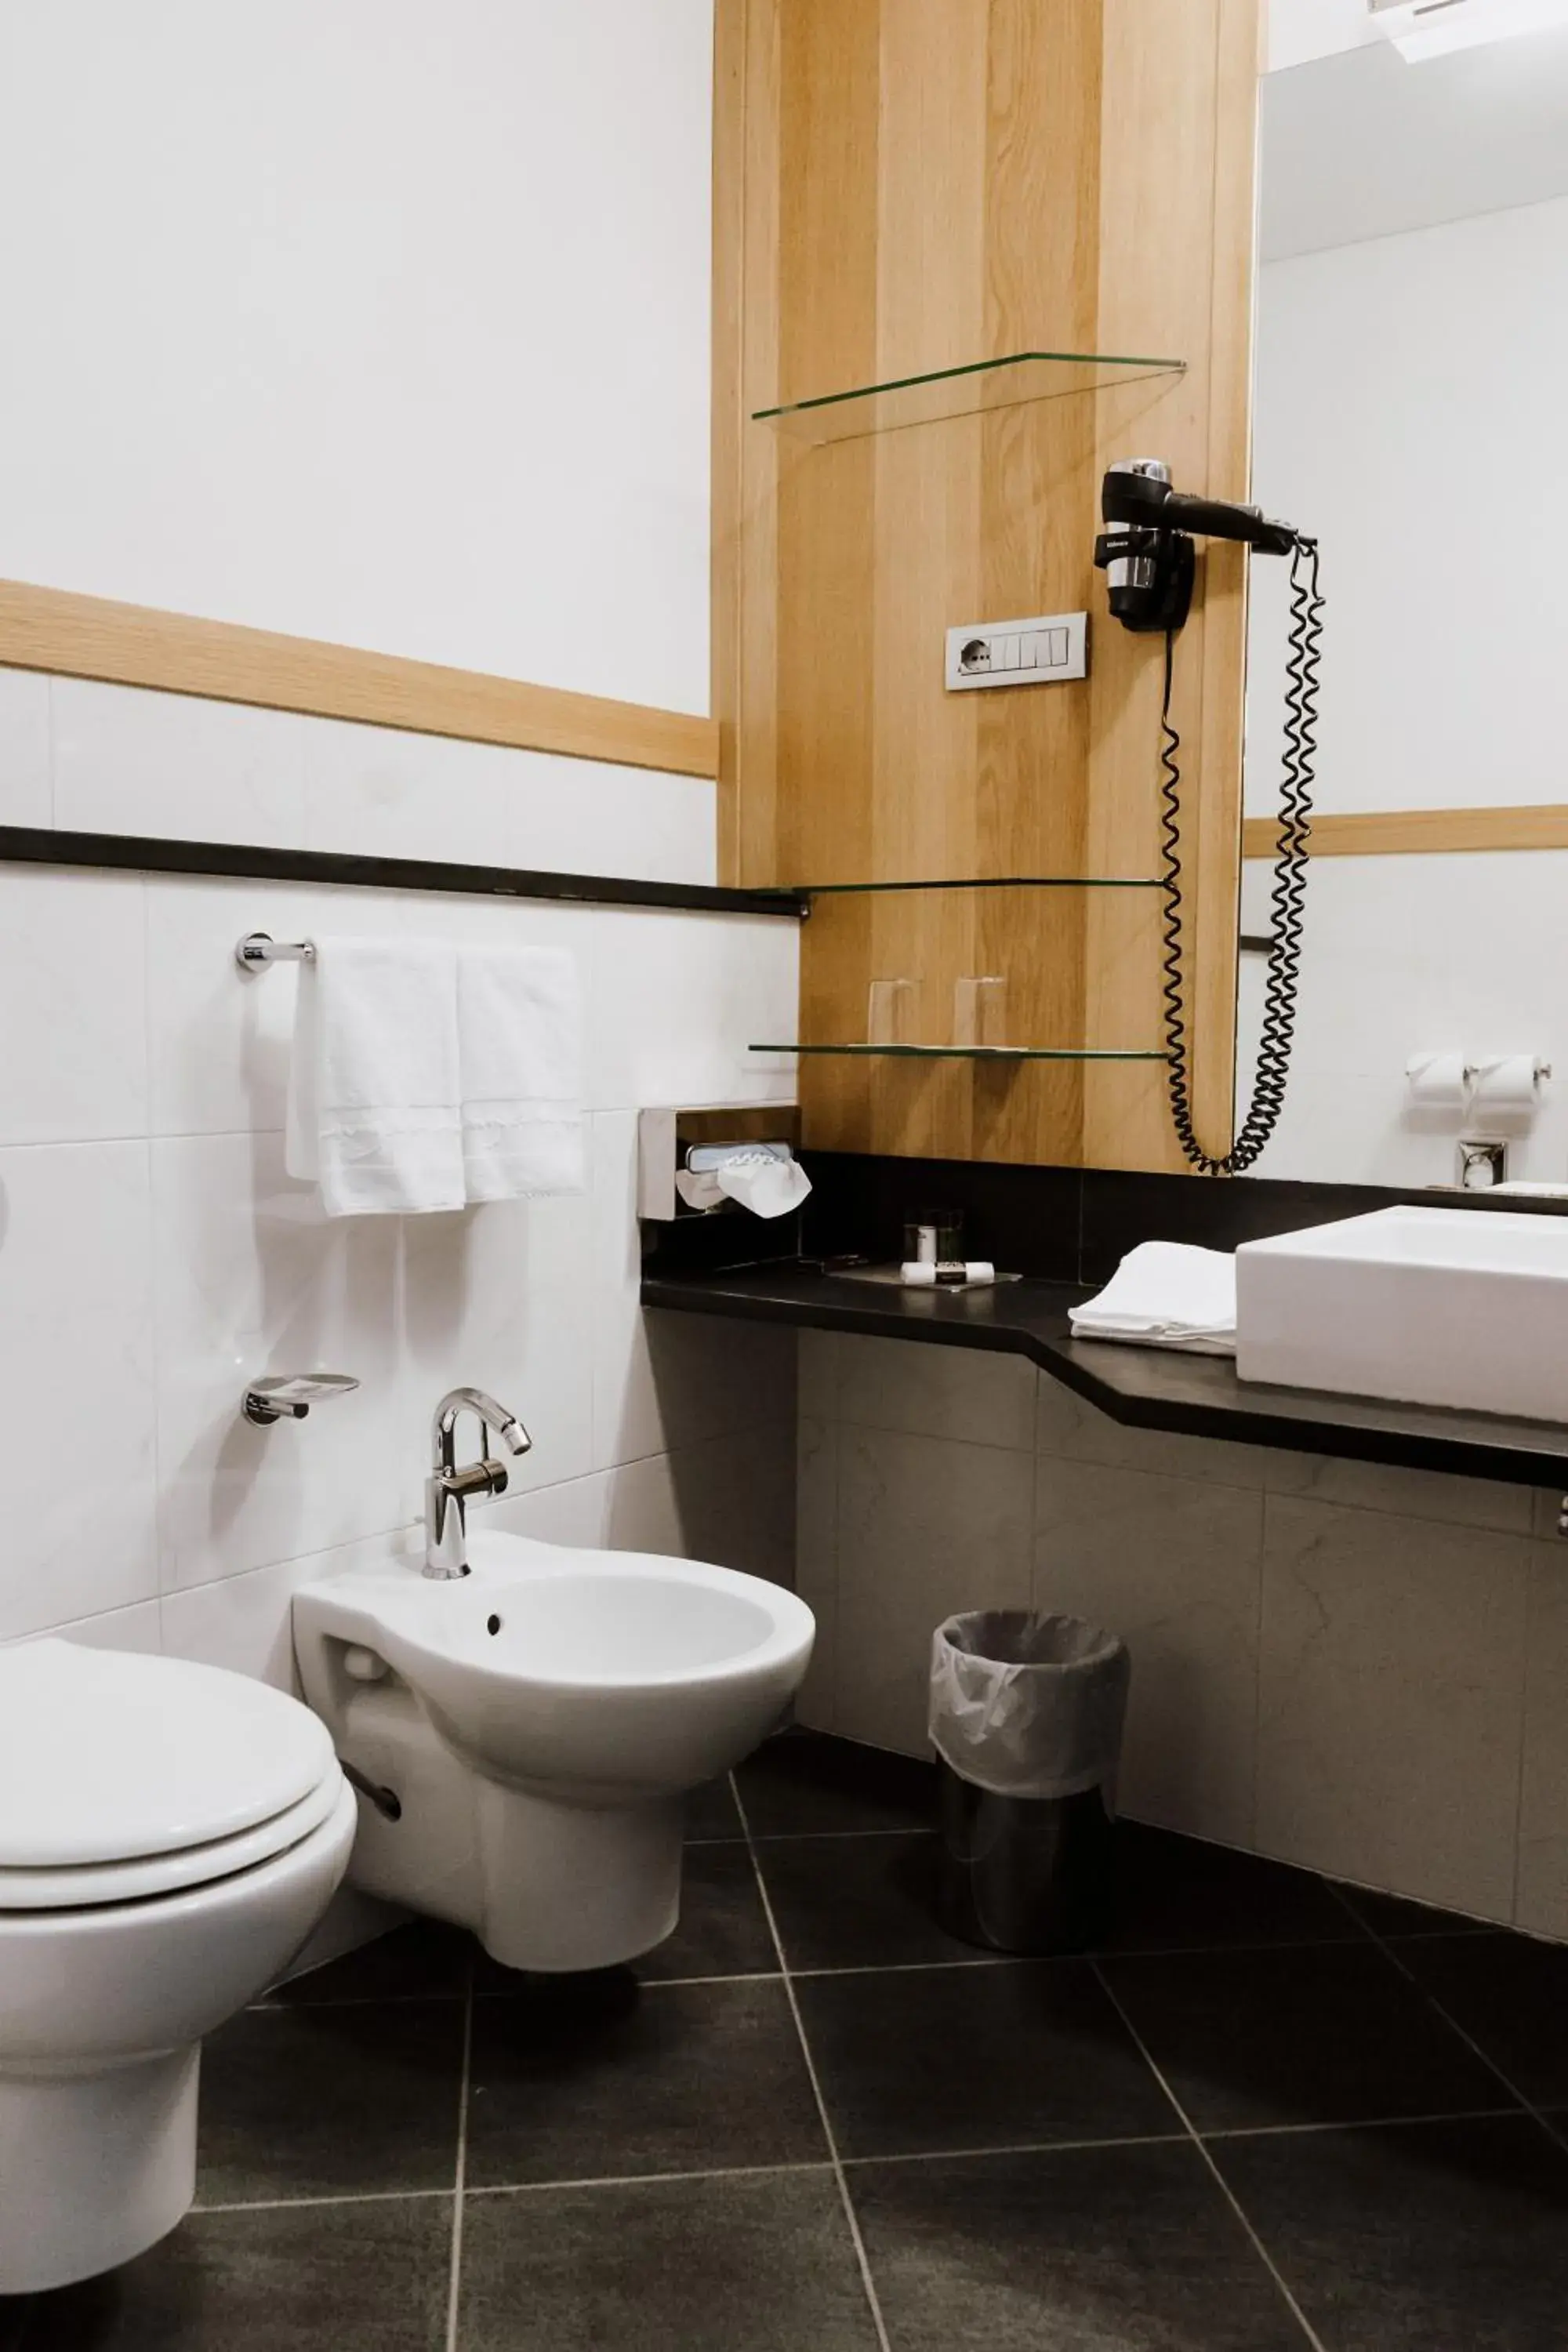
{"x": 447, "y": 1489}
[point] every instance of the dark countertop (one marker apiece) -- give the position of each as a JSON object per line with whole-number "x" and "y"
{"x": 1145, "y": 1387}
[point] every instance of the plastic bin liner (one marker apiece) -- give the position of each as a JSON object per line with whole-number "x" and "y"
{"x": 1027, "y": 1703}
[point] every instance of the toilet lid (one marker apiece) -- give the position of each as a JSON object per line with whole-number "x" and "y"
{"x": 106, "y": 1757}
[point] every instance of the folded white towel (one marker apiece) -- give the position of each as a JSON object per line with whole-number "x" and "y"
{"x": 373, "y": 1084}
{"x": 520, "y": 1022}
{"x": 1166, "y": 1295}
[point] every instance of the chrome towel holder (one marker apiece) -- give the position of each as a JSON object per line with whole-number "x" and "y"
{"x": 259, "y": 948}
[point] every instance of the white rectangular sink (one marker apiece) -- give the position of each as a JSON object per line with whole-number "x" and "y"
{"x": 1465, "y": 1307}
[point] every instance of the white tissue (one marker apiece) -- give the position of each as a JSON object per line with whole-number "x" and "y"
{"x": 1505, "y": 1082}
{"x": 769, "y": 1187}
{"x": 1438, "y": 1081}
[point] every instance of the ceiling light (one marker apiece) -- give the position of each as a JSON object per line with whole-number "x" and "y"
{"x": 1431, "y": 28}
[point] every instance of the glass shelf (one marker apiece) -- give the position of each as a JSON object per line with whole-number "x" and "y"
{"x": 967, "y": 390}
{"x": 985, "y": 882}
{"x": 983, "y": 1053}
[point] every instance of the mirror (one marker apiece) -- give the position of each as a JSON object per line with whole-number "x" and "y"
{"x": 1412, "y": 367}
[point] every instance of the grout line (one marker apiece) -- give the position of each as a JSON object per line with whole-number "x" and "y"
{"x": 1308, "y": 2330}
{"x": 645, "y": 2179}
{"x": 851, "y": 2218}
{"x": 1557, "y": 2135}
{"x": 1360, "y": 2122}
{"x": 1023, "y": 2147}
{"x": 794, "y": 1837}
{"x": 460, "y": 2180}
{"x": 348, "y": 2197}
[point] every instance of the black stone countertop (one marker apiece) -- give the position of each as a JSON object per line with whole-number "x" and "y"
{"x": 1145, "y": 1387}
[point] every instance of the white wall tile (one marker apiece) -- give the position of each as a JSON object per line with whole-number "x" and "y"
{"x": 676, "y": 1003}
{"x": 75, "y": 1383}
{"x": 252, "y": 1279}
{"x": 1391, "y": 1701}
{"x": 1409, "y": 1493}
{"x": 961, "y": 1393}
{"x": 731, "y": 1501}
{"x": 243, "y": 1623}
{"x": 665, "y": 1379}
{"x": 73, "y": 1045}
{"x": 1541, "y": 1904}
{"x": 499, "y": 1297}
{"x": 1069, "y": 1425}
{"x": 1174, "y": 1567}
{"x": 128, "y": 759}
{"x": 378, "y": 791}
{"x": 26, "y": 795}
{"x": 925, "y": 1527}
{"x": 576, "y": 1513}
{"x": 136, "y": 1629}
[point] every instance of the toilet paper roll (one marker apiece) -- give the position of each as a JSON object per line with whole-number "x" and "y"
{"x": 1507, "y": 1082}
{"x": 1438, "y": 1081}
{"x": 767, "y": 1186}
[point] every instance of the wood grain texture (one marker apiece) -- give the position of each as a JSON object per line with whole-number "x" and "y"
{"x": 1407, "y": 832}
{"x": 132, "y": 644}
{"x": 924, "y": 183}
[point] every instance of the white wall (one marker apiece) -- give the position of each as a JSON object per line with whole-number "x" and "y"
{"x": 390, "y": 325}
{"x": 155, "y": 1256}
{"x": 378, "y": 322}
{"x": 1408, "y": 402}
{"x": 1358, "y": 1669}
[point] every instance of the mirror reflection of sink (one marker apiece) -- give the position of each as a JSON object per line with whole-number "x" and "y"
{"x": 1443, "y": 1306}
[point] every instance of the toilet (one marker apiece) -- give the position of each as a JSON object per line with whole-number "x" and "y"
{"x": 170, "y": 1835}
{"x": 521, "y": 1736}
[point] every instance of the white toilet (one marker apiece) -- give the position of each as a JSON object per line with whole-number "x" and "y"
{"x": 521, "y": 1735}
{"x": 170, "y": 1835}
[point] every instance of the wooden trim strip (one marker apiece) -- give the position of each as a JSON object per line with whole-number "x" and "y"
{"x": 1399, "y": 833}
{"x": 131, "y": 645}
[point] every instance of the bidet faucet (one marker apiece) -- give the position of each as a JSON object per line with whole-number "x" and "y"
{"x": 447, "y": 1489}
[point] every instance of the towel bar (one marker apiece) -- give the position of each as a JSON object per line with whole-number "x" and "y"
{"x": 259, "y": 948}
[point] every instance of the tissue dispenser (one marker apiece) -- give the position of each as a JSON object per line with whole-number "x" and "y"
{"x": 668, "y": 1139}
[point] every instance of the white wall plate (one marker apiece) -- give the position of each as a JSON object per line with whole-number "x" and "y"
{"x": 1038, "y": 652}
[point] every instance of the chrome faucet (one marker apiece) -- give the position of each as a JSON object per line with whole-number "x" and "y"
{"x": 447, "y": 1489}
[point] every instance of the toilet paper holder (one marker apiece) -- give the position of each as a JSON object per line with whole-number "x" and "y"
{"x": 694, "y": 1142}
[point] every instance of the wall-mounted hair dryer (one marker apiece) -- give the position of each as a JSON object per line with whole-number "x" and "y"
{"x": 1147, "y": 555}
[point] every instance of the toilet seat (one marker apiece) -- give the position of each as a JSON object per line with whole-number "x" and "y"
{"x": 124, "y": 1778}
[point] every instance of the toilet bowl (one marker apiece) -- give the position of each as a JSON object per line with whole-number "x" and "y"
{"x": 170, "y": 1835}
{"x": 520, "y": 1737}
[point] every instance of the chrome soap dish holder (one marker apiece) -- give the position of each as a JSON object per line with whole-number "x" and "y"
{"x": 288, "y": 1396}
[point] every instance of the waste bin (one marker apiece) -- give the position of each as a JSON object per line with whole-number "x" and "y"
{"x": 1027, "y": 1711}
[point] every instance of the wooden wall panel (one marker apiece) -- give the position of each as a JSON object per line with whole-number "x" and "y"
{"x": 927, "y": 182}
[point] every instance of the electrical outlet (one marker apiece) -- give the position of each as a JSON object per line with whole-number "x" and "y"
{"x": 1038, "y": 652}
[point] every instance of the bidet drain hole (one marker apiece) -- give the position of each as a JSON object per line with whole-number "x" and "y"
{"x": 492, "y": 1624}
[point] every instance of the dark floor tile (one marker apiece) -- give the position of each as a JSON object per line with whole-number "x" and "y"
{"x": 1175, "y": 1893}
{"x": 722, "y": 1930}
{"x": 425, "y": 1960}
{"x": 1395, "y": 1917}
{"x": 804, "y": 1782}
{"x": 710, "y": 1811}
{"x": 585, "y": 2077}
{"x": 1421, "y": 2238}
{"x": 966, "y": 2058}
{"x": 853, "y": 1902}
{"x": 1331, "y": 2033}
{"x": 331, "y": 2101}
{"x": 14, "y": 2311}
{"x": 1511, "y": 1994}
{"x": 1095, "y": 2250}
{"x": 317, "y": 2278}
{"x": 749, "y": 2264}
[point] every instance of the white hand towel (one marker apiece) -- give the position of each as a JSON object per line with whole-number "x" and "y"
{"x": 1166, "y": 1295}
{"x": 372, "y": 1085}
{"x": 520, "y": 1023}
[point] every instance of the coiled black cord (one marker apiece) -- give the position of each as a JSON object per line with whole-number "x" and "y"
{"x": 1287, "y": 898}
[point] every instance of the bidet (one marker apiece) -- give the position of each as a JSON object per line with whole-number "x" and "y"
{"x": 537, "y": 1722}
